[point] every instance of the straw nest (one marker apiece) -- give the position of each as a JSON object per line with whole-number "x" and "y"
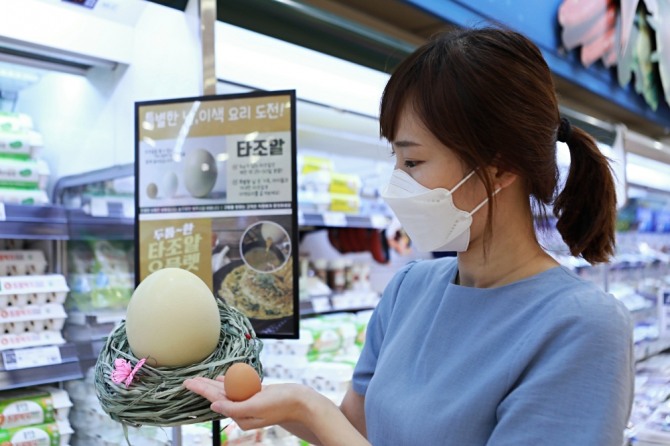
{"x": 156, "y": 396}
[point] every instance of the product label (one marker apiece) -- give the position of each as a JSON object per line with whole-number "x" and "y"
{"x": 26, "y": 409}
{"x": 10, "y": 341}
{"x": 31, "y": 357}
{"x": 32, "y": 313}
{"x": 40, "y": 435}
{"x": 32, "y": 284}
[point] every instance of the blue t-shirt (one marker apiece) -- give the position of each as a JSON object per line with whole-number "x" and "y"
{"x": 547, "y": 360}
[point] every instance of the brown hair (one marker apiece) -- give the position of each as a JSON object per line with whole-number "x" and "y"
{"x": 488, "y": 94}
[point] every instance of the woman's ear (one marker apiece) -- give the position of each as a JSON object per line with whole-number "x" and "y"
{"x": 501, "y": 176}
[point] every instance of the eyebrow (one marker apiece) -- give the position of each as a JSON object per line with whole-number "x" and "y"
{"x": 404, "y": 143}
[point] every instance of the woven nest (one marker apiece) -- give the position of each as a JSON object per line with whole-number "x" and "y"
{"x": 156, "y": 395}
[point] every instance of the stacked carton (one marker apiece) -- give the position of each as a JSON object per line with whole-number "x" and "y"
{"x": 23, "y": 175}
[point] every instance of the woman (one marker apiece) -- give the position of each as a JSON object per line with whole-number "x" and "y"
{"x": 501, "y": 346}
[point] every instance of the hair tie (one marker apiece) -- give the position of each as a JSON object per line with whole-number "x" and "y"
{"x": 564, "y": 130}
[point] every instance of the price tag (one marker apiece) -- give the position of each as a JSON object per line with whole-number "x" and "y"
{"x": 335, "y": 219}
{"x": 3, "y": 214}
{"x": 31, "y": 357}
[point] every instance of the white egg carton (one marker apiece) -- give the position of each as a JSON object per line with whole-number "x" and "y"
{"x": 23, "y": 262}
{"x": 24, "y": 340}
{"x": 32, "y": 319}
{"x": 282, "y": 367}
{"x": 22, "y": 291}
{"x": 327, "y": 377}
{"x": 293, "y": 347}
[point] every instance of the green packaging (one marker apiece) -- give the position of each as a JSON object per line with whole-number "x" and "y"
{"x": 22, "y": 409}
{"x": 37, "y": 435}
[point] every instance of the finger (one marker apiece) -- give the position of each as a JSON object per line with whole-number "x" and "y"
{"x": 207, "y": 388}
{"x": 220, "y": 378}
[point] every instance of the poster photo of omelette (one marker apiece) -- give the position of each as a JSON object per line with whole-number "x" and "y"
{"x": 255, "y": 274}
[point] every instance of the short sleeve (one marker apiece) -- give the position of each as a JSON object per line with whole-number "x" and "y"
{"x": 578, "y": 387}
{"x": 374, "y": 337}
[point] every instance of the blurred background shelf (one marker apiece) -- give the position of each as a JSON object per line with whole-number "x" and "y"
{"x": 83, "y": 226}
{"x": 33, "y": 222}
{"x": 342, "y": 220}
{"x": 64, "y": 366}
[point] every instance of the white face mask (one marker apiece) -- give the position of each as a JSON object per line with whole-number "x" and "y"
{"x": 429, "y": 216}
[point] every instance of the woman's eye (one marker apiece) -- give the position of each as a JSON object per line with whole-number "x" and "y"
{"x": 410, "y": 164}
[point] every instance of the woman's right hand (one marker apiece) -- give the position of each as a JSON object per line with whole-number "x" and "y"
{"x": 274, "y": 404}
{"x": 301, "y": 409}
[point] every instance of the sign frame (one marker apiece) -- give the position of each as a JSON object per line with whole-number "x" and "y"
{"x": 219, "y": 210}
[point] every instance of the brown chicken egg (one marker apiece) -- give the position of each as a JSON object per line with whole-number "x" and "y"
{"x": 241, "y": 382}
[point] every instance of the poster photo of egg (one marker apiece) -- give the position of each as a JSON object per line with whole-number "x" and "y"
{"x": 185, "y": 172}
{"x": 253, "y": 270}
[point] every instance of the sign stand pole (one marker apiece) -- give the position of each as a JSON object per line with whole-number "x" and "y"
{"x": 204, "y": 17}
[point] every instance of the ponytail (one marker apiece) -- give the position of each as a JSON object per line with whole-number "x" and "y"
{"x": 586, "y": 207}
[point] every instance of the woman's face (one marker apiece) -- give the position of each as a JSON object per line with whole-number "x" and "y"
{"x": 432, "y": 164}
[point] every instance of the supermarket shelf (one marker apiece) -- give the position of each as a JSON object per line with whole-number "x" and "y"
{"x": 33, "y": 222}
{"x": 644, "y": 314}
{"x": 647, "y": 349}
{"x": 327, "y": 304}
{"x": 88, "y": 353}
{"x": 66, "y": 368}
{"x": 342, "y": 220}
{"x": 86, "y": 227}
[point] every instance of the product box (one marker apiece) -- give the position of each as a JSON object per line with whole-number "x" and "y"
{"x": 24, "y": 408}
{"x": 24, "y": 339}
{"x": 50, "y": 434}
{"x": 22, "y": 262}
{"x": 292, "y": 347}
{"x": 28, "y": 174}
{"x": 32, "y": 318}
{"x": 309, "y": 163}
{"x": 21, "y": 144}
{"x": 101, "y": 275}
{"x": 21, "y": 291}
{"x": 27, "y": 407}
{"x": 346, "y": 203}
{"x": 15, "y": 122}
{"x": 23, "y": 196}
{"x": 343, "y": 183}
{"x": 330, "y": 334}
{"x": 328, "y": 377}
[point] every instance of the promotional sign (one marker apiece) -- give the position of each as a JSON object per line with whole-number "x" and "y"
{"x": 216, "y": 195}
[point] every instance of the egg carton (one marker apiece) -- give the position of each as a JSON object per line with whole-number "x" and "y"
{"x": 22, "y": 291}
{"x": 56, "y": 433}
{"x": 32, "y": 319}
{"x": 293, "y": 347}
{"x": 22, "y": 262}
{"x": 30, "y": 339}
{"x": 38, "y": 405}
{"x": 277, "y": 366}
{"x": 328, "y": 377}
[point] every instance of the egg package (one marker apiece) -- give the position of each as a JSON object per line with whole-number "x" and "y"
{"x": 174, "y": 329}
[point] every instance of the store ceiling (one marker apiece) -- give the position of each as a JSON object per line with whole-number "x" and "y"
{"x": 396, "y": 14}
{"x": 380, "y": 33}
